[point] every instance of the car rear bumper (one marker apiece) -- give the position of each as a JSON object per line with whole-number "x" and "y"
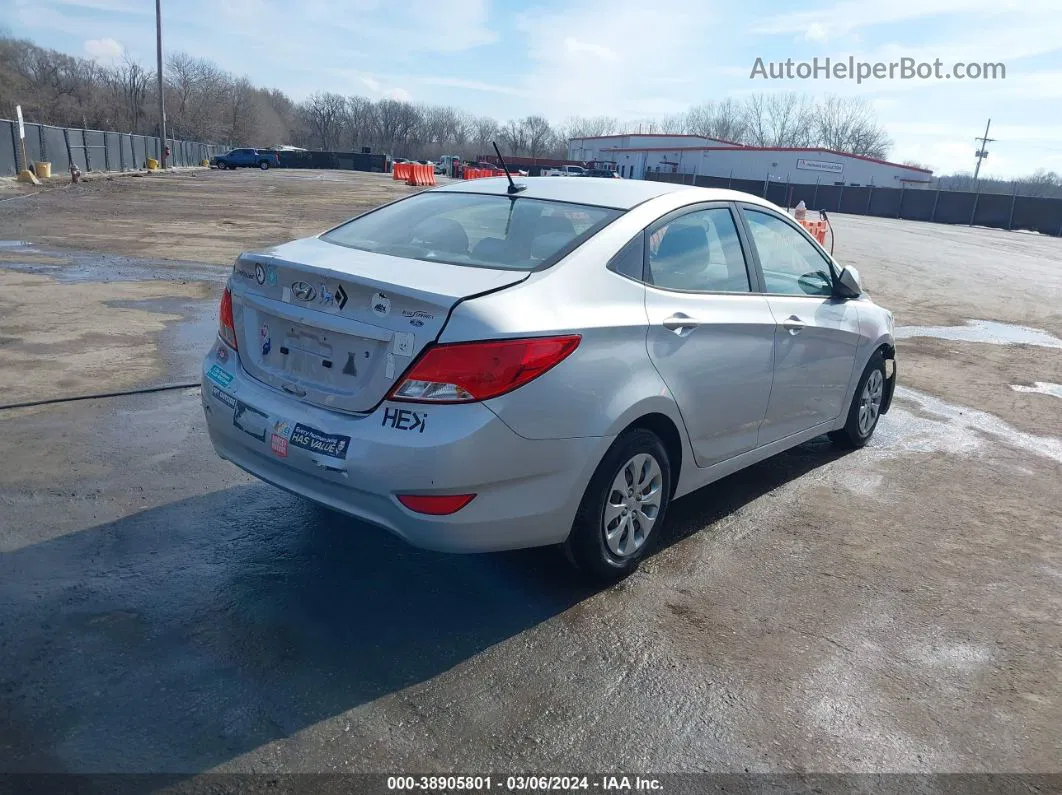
{"x": 527, "y": 491}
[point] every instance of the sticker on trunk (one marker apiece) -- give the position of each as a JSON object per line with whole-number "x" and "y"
{"x": 317, "y": 442}
{"x": 245, "y": 269}
{"x": 380, "y": 304}
{"x": 250, "y": 420}
{"x": 219, "y": 376}
{"x": 224, "y": 397}
{"x": 404, "y": 343}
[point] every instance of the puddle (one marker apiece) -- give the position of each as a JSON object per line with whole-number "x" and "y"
{"x": 89, "y": 266}
{"x": 186, "y": 341}
{"x": 1040, "y": 387}
{"x": 983, "y": 331}
{"x": 937, "y": 426}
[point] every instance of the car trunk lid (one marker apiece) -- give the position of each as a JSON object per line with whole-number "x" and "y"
{"x": 336, "y": 326}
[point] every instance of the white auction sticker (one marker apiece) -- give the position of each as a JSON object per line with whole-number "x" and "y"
{"x": 404, "y": 342}
{"x": 389, "y": 367}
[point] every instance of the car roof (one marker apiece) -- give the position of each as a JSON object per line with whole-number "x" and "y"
{"x": 621, "y": 194}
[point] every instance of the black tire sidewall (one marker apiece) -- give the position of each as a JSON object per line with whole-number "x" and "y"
{"x": 586, "y": 542}
{"x": 877, "y": 362}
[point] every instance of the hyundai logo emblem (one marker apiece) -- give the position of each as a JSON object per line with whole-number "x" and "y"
{"x": 303, "y": 291}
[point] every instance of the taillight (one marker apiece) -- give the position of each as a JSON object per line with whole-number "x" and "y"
{"x": 226, "y": 325}
{"x": 465, "y": 372}
{"x": 435, "y": 504}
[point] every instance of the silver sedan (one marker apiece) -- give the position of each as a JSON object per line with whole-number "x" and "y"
{"x": 484, "y": 366}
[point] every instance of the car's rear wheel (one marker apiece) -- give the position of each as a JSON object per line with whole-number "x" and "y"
{"x": 865, "y": 410}
{"x": 623, "y": 507}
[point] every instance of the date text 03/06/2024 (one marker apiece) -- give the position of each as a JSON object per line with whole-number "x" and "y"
{"x": 610, "y": 783}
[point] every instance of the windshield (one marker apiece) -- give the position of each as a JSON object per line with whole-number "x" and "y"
{"x": 475, "y": 229}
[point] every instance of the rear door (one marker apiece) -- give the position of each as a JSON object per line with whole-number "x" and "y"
{"x": 816, "y": 334}
{"x": 335, "y": 326}
{"x": 710, "y": 337}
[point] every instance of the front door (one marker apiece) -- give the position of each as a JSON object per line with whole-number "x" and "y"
{"x": 710, "y": 337}
{"x": 816, "y": 334}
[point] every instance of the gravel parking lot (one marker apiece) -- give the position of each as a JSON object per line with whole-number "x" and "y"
{"x": 898, "y": 608}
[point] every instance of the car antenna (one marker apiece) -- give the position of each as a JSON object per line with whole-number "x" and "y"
{"x": 513, "y": 187}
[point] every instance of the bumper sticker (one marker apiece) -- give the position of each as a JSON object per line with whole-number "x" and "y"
{"x": 250, "y": 420}
{"x": 279, "y": 445}
{"x": 405, "y": 419}
{"x": 316, "y": 442}
{"x": 224, "y": 397}
{"x": 219, "y": 376}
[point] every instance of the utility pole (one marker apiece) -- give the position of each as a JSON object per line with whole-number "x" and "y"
{"x": 162, "y": 98}
{"x": 982, "y": 153}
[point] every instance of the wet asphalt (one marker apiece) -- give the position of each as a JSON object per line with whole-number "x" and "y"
{"x": 161, "y": 611}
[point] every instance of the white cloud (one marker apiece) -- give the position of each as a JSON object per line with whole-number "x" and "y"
{"x": 400, "y": 94}
{"x": 371, "y": 83}
{"x": 599, "y": 50}
{"x": 470, "y": 85}
{"x": 104, "y": 50}
{"x": 817, "y": 32}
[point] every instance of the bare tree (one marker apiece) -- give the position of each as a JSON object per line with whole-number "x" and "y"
{"x": 485, "y": 130}
{"x": 323, "y": 116}
{"x": 723, "y": 120}
{"x": 514, "y": 137}
{"x": 538, "y": 135}
{"x": 848, "y": 124}
{"x": 779, "y": 120}
{"x": 589, "y": 127}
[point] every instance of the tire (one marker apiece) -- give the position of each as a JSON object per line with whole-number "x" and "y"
{"x": 865, "y": 411}
{"x": 606, "y": 555}
{"x": 264, "y": 166}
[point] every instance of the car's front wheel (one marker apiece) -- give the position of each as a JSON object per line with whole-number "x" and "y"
{"x": 623, "y": 507}
{"x": 264, "y": 166}
{"x": 865, "y": 410}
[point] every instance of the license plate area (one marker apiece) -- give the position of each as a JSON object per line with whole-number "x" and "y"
{"x": 314, "y": 358}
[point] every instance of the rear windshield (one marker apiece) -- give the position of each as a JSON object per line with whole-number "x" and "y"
{"x": 474, "y": 229}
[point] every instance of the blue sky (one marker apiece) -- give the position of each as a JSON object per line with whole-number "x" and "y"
{"x": 626, "y": 58}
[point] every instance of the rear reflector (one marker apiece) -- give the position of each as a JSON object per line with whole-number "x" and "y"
{"x": 436, "y": 505}
{"x": 226, "y": 326}
{"x": 465, "y": 372}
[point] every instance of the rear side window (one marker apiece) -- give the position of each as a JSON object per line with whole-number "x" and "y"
{"x": 476, "y": 230}
{"x": 699, "y": 252}
{"x": 630, "y": 260}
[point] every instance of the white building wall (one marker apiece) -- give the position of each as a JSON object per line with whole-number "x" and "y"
{"x": 586, "y": 150}
{"x": 797, "y": 167}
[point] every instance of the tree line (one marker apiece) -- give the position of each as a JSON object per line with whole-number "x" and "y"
{"x": 206, "y": 103}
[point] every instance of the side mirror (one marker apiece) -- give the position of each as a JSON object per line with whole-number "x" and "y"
{"x": 848, "y": 285}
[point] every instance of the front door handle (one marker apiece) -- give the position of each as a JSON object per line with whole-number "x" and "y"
{"x": 793, "y": 324}
{"x": 679, "y": 321}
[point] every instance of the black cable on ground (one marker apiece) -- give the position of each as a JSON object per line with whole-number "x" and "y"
{"x": 143, "y": 391}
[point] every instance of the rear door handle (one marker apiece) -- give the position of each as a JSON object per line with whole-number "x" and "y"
{"x": 679, "y": 321}
{"x": 793, "y": 324}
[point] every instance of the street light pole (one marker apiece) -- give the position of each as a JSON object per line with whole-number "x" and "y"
{"x": 162, "y": 98}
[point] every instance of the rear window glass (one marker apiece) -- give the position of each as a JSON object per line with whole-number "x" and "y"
{"x": 474, "y": 229}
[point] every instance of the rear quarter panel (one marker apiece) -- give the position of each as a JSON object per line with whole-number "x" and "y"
{"x": 608, "y": 382}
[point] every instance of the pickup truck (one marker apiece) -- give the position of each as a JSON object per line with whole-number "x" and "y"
{"x": 247, "y": 158}
{"x": 564, "y": 171}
